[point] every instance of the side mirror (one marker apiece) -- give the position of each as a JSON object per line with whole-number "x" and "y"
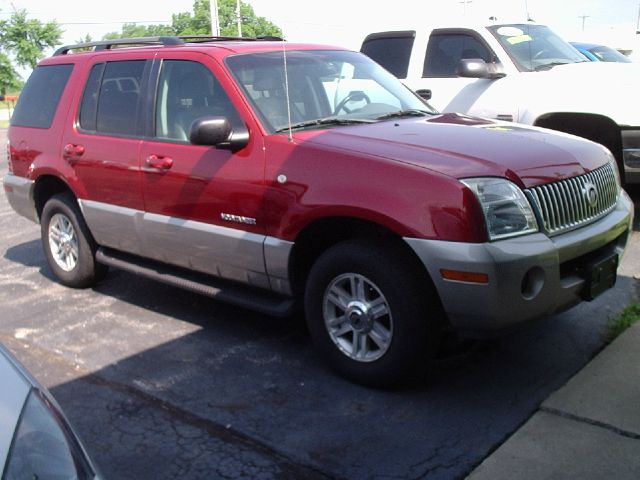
{"x": 472, "y": 68}
{"x": 217, "y": 132}
{"x": 478, "y": 68}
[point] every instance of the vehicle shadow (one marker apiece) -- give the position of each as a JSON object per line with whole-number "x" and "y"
{"x": 164, "y": 383}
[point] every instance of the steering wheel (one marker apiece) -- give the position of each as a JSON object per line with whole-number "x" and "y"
{"x": 354, "y": 96}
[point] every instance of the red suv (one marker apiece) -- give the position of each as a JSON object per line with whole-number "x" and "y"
{"x": 272, "y": 175}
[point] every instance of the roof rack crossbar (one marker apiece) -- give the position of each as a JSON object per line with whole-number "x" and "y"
{"x": 210, "y": 38}
{"x": 108, "y": 44}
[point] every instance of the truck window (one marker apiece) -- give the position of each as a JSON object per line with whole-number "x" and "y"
{"x": 445, "y": 51}
{"x": 40, "y": 97}
{"x": 392, "y": 50}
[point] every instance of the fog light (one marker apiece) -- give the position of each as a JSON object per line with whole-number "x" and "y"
{"x": 532, "y": 283}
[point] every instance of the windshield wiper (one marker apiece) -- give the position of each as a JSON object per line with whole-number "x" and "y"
{"x": 324, "y": 121}
{"x": 404, "y": 113}
{"x": 549, "y": 66}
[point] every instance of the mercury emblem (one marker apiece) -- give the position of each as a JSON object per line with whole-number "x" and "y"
{"x": 590, "y": 194}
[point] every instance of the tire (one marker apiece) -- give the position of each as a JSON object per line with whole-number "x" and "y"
{"x": 394, "y": 319}
{"x": 68, "y": 245}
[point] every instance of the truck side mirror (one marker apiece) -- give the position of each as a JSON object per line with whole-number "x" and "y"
{"x": 478, "y": 68}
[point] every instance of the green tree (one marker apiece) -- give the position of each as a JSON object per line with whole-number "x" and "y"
{"x": 198, "y": 22}
{"x": 133, "y": 30}
{"x": 26, "y": 38}
{"x": 9, "y": 78}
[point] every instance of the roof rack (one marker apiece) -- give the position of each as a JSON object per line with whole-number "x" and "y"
{"x": 108, "y": 44}
{"x": 165, "y": 41}
{"x": 210, "y": 38}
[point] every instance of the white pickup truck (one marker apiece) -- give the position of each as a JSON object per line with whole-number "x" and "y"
{"x": 520, "y": 72}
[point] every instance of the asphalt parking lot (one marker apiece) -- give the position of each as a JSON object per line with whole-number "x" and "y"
{"x": 164, "y": 384}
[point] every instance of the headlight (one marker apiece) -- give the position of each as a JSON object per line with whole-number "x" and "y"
{"x": 507, "y": 211}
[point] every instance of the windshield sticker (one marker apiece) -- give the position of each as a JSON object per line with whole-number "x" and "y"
{"x": 509, "y": 31}
{"x": 519, "y": 39}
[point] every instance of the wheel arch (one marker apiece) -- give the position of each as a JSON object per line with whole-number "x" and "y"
{"x": 322, "y": 234}
{"x": 46, "y": 186}
{"x": 598, "y": 128}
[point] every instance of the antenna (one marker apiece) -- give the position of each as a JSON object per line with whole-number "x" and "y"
{"x": 286, "y": 87}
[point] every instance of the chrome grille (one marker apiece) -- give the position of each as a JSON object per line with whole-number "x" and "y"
{"x": 574, "y": 202}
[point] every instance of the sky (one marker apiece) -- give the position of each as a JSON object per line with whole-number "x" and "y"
{"x": 346, "y": 22}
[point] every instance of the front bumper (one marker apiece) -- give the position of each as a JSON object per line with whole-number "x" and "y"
{"x": 19, "y": 192}
{"x": 528, "y": 277}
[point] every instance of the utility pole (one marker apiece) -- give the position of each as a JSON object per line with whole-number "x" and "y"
{"x": 215, "y": 20}
{"x": 239, "y": 18}
{"x": 464, "y": 6}
{"x": 583, "y": 17}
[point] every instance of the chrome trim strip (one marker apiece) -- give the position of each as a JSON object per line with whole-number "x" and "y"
{"x": 19, "y": 193}
{"x": 225, "y": 252}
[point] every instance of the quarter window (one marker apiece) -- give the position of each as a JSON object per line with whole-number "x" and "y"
{"x": 187, "y": 91}
{"x": 40, "y": 97}
{"x": 444, "y": 53}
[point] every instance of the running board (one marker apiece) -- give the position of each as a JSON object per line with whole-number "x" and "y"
{"x": 224, "y": 291}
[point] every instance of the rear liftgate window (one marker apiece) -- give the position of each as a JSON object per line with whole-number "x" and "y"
{"x": 39, "y": 99}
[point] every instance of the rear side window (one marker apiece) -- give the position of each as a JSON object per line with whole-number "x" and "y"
{"x": 40, "y": 97}
{"x": 111, "y": 98}
{"x": 391, "y": 50}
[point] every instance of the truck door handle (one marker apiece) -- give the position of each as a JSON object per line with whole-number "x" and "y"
{"x": 425, "y": 93}
{"x": 159, "y": 162}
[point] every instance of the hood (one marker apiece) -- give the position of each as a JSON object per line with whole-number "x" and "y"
{"x": 461, "y": 147}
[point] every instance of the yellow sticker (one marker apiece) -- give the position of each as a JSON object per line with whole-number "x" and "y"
{"x": 519, "y": 39}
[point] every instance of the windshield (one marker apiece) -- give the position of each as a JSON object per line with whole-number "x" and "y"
{"x": 535, "y": 47}
{"x": 324, "y": 88}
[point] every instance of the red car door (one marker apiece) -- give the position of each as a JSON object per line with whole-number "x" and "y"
{"x": 203, "y": 205}
{"x": 103, "y": 147}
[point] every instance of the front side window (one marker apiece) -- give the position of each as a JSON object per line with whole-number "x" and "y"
{"x": 110, "y": 102}
{"x": 40, "y": 97}
{"x": 187, "y": 91}
{"x": 535, "y": 47}
{"x": 445, "y": 51}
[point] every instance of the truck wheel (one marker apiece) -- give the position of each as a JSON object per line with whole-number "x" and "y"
{"x": 369, "y": 315}
{"x": 68, "y": 244}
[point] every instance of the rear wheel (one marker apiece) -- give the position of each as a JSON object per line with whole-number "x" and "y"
{"x": 371, "y": 314}
{"x": 68, "y": 244}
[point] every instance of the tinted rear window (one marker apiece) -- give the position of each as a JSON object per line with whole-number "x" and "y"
{"x": 40, "y": 97}
{"x": 392, "y": 52}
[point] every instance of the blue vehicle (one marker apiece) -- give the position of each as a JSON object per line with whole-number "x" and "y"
{"x": 600, "y": 53}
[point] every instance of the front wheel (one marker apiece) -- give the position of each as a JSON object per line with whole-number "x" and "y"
{"x": 371, "y": 313}
{"x": 68, "y": 244}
